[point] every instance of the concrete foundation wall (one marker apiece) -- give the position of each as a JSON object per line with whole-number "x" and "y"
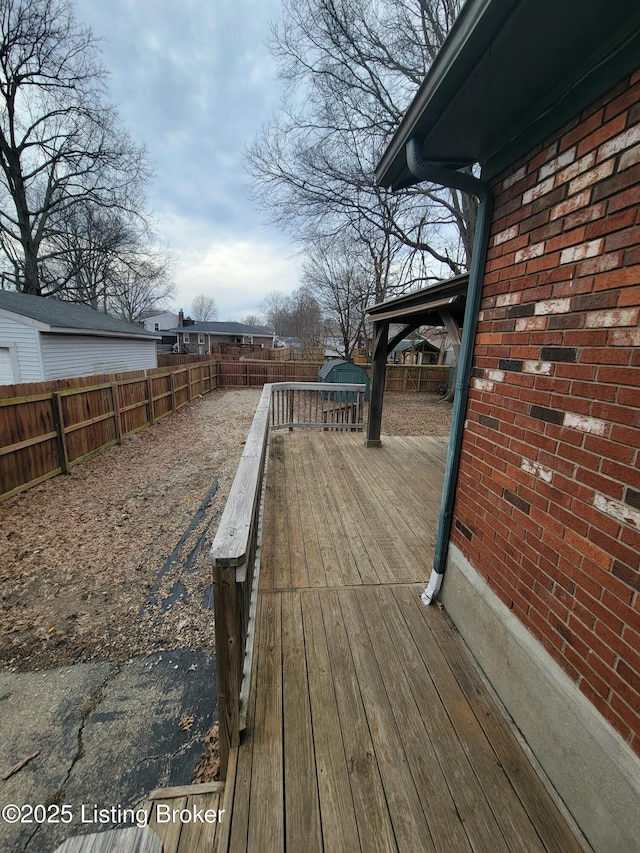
{"x": 593, "y": 770}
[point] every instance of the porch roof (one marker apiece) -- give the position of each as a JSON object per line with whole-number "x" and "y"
{"x": 510, "y": 73}
{"x": 423, "y": 307}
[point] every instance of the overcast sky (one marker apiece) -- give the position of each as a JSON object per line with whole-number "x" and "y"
{"x": 194, "y": 82}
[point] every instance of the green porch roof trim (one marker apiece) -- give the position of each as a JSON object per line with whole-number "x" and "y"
{"x": 509, "y": 74}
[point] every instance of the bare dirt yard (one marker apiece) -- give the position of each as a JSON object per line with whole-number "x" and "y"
{"x": 112, "y": 560}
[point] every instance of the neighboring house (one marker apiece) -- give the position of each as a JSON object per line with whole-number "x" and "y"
{"x": 160, "y": 322}
{"x": 416, "y": 350}
{"x": 201, "y": 337}
{"x": 50, "y": 339}
{"x": 539, "y": 537}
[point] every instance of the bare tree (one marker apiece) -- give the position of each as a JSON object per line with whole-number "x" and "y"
{"x": 341, "y": 283}
{"x": 297, "y": 315}
{"x": 275, "y": 312}
{"x": 142, "y": 284}
{"x": 60, "y": 143}
{"x": 351, "y": 68}
{"x": 204, "y": 308}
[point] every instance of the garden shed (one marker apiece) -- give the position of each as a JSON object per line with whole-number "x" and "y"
{"x": 344, "y": 372}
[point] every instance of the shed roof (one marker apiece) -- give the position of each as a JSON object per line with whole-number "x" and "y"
{"x": 510, "y": 73}
{"x": 54, "y": 315}
{"x": 422, "y": 344}
{"x": 330, "y": 365}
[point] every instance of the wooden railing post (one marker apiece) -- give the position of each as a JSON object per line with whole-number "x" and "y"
{"x": 172, "y": 383}
{"x": 150, "y": 402}
{"x": 58, "y": 419}
{"x": 117, "y": 418}
{"x": 228, "y": 661}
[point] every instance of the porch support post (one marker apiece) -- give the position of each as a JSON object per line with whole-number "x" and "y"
{"x": 379, "y": 367}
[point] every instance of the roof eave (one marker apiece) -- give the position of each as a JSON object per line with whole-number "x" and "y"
{"x": 495, "y": 89}
{"x": 101, "y": 333}
{"x": 449, "y": 68}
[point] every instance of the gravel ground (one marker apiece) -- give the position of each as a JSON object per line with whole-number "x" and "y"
{"x": 112, "y": 560}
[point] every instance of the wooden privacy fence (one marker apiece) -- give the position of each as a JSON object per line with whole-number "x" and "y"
{"x": 45, "y": 434}
{"x": 423, "y": 377}
{"x": 254, "y": 373}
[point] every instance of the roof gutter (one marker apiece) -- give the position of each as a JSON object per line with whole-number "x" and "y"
{"x": 424, "y": 171}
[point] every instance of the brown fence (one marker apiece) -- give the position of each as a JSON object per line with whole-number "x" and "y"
{"x": 290, "y": 354}
{"x": 52, "y": 426}
{"x": 254, "y": 373}
{"x": 424, "y": 377}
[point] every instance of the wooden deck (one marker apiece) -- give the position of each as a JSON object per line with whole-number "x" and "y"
{"x": 369, "y": 727}
{"x": 188, "y": 819}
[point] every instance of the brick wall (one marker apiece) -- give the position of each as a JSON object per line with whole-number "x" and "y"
{"x": 548, "y": 502}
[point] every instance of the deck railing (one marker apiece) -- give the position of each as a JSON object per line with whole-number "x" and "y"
{"x": 317, "y": 405}
{"x": 235, "y": 552}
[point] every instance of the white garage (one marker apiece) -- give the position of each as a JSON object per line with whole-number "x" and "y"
{"x": 44, "y": 338}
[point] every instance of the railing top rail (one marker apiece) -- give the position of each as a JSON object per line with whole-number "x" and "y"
{"x": 315, "y": 386}
{"x": 232, "y": 541}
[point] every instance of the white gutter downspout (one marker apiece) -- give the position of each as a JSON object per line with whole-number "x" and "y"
{"x": 424, "y": 171}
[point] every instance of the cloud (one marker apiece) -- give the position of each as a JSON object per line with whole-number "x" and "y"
{"x": 194, "y": 82}
{"x": 237, "y": 273}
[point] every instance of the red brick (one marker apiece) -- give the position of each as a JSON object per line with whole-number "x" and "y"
{"x": 616, "y": 548}
{"x": 606, "y": 620}
{"x": 596, "y": 481}
{"x": 590, "y": 638}
{"x": 612, "y": 225}
{"x": 632, "y": 257}
{"x": 624, "y": 473}
{"x": 584, "y": 372}
{"x": 628, "y": 397}
{"x": 621, "y": 608}
{"x": 602, "y": 134}
{"x": 619, "y": 375}
{"x": 586, "y": 338}
{"x": 622, "y": 103}
{"x": 583, "y": 130}
{"x": 603, "y": 263}
{"x": 609, "y": 449}
{"x": 629, "y": 296}
{"x": 587, "y": 214}
{"x": 631, "y": 537}
{"x": 545, "y": 262}
{"x": 600, "y": 685}
{"x": 628, "y": 436}
{"x": 628, "y": 198}
{"x": 604, "y": 355}
{"x": 592, "y": 391}
{"x": 567, "y": 238}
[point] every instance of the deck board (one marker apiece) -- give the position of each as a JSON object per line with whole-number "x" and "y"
{"x": 369, "y": 726}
